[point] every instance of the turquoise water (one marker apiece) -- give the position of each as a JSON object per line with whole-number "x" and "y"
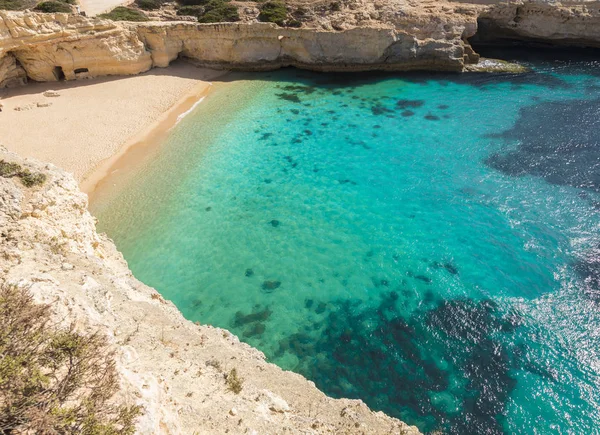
{"x": 427, "y": 243}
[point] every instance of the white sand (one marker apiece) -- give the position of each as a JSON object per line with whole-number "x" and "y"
{"x": 94, "y": 120}
{"x": 95, "y": 7}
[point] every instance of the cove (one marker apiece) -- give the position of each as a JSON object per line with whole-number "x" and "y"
{"x": 427, "y": 243}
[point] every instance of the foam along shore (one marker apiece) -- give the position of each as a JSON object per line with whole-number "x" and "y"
{"x": 85, "y": 126}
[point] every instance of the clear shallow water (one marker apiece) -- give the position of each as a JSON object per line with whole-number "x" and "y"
{"x": 427, "y": 243}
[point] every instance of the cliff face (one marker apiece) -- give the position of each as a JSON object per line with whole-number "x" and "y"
{"x": 364, "y": 35}
{"x": 41, "y": 43}
{"x": 170, "y": 366}
{"x": 565, "y": 23}
{"x": 46, "y": 46}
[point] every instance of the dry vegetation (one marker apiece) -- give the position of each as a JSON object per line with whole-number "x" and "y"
{"x": 54, "y": 380}
{"x": 28, "y": 178}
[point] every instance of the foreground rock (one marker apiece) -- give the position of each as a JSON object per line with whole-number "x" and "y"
{"x": 397, "y": 35}
{"x": 173, "y": 368}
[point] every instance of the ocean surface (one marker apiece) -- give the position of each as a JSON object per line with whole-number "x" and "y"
{"x": 428, "y": 243}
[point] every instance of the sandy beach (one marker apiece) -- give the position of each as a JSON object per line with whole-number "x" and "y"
{"x": 93, "y": 122}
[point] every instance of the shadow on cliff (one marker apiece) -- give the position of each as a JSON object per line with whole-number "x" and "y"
{"x": 178, "y": 68}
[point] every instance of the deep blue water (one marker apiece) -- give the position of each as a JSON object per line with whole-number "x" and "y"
{"x": 427, "y": 243}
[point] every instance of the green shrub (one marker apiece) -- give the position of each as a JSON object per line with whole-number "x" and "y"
{"x": 28, "y": 178}
{"x": 8, "y": 169}
{"x": 121, "y": 13}
{"x": 193, "y": 2}
{"x": 148, "y": 5}
{"x": 217, "y": 11}
{"x": 55, "y": 380}
{"x": 11, "y": 5}
{"x": 194, "y": 11}
{"x": 273, "y": 12}
{"x": 234, "y": 383}
{"x": 52, "y": 6}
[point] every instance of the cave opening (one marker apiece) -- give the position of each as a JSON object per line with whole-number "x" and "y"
{"x": 59, "y": 74}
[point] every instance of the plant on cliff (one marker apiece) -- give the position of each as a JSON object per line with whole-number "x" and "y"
{"x": 28, "y": 178}
{"x": 53, "y": 7}
{"x": 273, "y": 12}
{"x": 16, "y": 5}
{"x": 121, "y": 13}
{"x": 192, "y": 11}
{"x": 217, "y": 11}
{"x": 194, "y": 2}
{"x": 233, "y": 381}
{"x": 54, "y": 380}
{"x": 212, "y": 11}
{"x": 149, "y": 5}
{"x": 11, "y": 5}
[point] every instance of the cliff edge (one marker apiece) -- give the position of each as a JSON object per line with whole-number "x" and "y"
{"x": 175, "y": 369}
{"x": 396, "y": 35}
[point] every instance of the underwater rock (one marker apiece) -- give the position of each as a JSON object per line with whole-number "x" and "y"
{"x": 451, "y": 268}
{"x": 289, "y": 97}
{"x": 321, "y": 308}
{"x": 269, "y": 286}
{"x": 413, "y": 104}
{"x": 242, "y": 319}
{"x": 274, "y": 223}
{"x": 249, "y": 272}
{"x": 552, "y": 144}
{"x": 257, "y": 329}
{"x": 407, "y": 113}
{"x": 431, "y": 117}
{"x": 423, "y": 278}
{"x": 380, "y": 110}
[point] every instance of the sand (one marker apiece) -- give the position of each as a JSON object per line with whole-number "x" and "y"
{"x": 93, "y": 122}
{"x": 95, "y": 7}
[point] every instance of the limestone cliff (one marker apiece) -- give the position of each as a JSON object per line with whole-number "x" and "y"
{"x": 363, "y": 35}
{"x": 171, "y": 367}
{"x": 573, "y": 23}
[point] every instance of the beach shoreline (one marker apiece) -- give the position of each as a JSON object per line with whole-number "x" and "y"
{"x": 145, "y": 140}
{"x": 97, "y": 127}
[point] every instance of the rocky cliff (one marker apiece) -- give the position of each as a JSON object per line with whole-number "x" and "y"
{"x": 363, "y": 35}
{"x": 171, "y": 367}
{"x": 571, "y": 23}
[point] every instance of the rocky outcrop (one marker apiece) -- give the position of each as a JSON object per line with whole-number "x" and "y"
{"x": 48, "y": 46}
{"x": 565, "y": 23}
{"x": 263, "y": 46}
{"x": 174, "y": 369}
{"x": 52, "y": 46}
{"x": 361, "y": 35}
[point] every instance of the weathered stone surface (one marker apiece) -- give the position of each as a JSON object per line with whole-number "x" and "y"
{"x": 561, "y": 23}
{"x": 170, "y": 366}
{"x": 363, "y": 35}
{"x": 43, "y": 42}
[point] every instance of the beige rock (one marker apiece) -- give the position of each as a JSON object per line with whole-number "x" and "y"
{"x": 51, "y": 93}
{"x": 168, "y": 365}
{"x": 24, "y": 107}
{"x": 370, "y": 35}
{"x": 45, "y": 104}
